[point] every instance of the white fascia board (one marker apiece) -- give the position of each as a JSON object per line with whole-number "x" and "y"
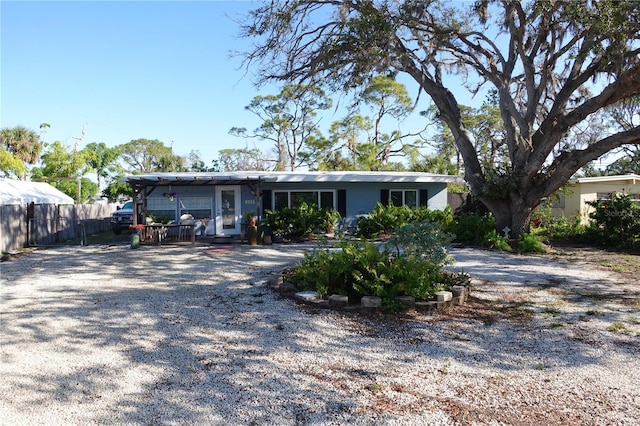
{"x": 307, "y": 177}
{"x": 632, "y": 177}
{"x": 353, "y": 177}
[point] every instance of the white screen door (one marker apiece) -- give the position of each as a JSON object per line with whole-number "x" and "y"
{"x": 228, "y": 212}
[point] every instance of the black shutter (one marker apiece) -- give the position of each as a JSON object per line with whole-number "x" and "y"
{"x": 342, "y": 202}
{"x": 384, "y": 197}
{"x": 424, "y": 198}
{"x": 266, "y": 200}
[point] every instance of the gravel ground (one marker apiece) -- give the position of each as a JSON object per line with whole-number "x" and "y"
{"x": 187, "y": 335}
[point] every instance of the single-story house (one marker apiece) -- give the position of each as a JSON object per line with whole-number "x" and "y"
{"x": 572, "y": 200}
{"x": 20, "y": 192}
{"x": 220, "y": 200}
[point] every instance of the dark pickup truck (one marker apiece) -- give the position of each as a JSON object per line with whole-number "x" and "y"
{"x": 122, "y": 218}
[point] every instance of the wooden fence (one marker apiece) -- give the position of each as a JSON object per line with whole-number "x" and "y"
{"x": 44, "y": 224}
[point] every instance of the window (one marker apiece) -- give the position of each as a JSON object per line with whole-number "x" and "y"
{"x": 162, "y": 208}
{"x": 404, "y": 197}
{"x": 322, "y": 199}
{"x": 603, "y": 196}
{"x": 198, "y": 207}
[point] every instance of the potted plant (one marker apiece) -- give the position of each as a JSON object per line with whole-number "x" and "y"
{"x": 266, "y": 234}
{"x": 135, "y": 235}
{"x": 252, "y": 228}
{"x": 250, "y": 218}
{"x": 328, "y": 219}
{"x": 276, "y": 223}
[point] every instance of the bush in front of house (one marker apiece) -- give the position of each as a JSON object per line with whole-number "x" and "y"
{"x": 478, "y": 230}
{"x": 384, "y": 220}
{"x": 409, "y": 265}
{"x": 616, "y": 223}
{"x": 556, "y": 228}
{"x": 300, "y": 221}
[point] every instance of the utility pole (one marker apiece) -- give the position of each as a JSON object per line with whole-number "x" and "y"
{"x": 75, "y": 152}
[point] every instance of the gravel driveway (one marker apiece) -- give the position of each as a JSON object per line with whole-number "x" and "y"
{"x": 187, "y": 335}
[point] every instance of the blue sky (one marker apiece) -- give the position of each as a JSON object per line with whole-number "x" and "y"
{"x": 127, "y": 70}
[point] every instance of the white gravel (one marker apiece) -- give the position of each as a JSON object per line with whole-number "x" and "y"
{"x": 180, "y": 335}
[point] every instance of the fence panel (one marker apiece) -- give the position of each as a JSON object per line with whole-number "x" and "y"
{"x": 49, "y": 231}
{"x": 13, "y": 227}
{"x": 44, "y": 224}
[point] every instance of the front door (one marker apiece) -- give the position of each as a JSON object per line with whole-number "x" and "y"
{"x": 228, "y": 212}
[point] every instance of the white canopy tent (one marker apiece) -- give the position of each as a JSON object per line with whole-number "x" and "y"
{"x": 24, "y": 192}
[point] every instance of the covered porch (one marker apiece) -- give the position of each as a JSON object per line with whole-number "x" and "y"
{"x": 190, "y": 206}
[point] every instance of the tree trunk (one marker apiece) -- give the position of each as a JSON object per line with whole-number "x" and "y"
{"x": 512, "y": 214}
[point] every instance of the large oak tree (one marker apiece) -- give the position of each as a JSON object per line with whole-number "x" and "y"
{"x": 553, "y": 64}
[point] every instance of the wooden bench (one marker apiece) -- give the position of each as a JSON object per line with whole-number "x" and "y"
{"x": 158, "y": 233}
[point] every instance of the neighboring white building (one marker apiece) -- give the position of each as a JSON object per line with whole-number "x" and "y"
{"x": 19, "y": 192}
{"x": 578, "y": 192}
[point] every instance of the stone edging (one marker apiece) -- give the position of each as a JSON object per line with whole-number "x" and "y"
{"x": 441, "y": 300}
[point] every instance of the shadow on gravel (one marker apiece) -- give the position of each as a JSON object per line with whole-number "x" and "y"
{"x": 152, "y": 336}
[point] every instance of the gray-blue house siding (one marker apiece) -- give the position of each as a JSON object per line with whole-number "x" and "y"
{"x": 218, "y": 201}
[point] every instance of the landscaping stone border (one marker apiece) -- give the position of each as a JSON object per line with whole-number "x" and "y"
{"x": 442, "y": 300}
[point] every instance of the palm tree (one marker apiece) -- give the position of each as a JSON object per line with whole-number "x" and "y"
{"x": 22, "y": 143}
{"x": 102, "y": 159}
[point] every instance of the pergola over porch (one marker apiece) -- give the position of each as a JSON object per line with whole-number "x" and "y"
{"x": 145, "y": 184}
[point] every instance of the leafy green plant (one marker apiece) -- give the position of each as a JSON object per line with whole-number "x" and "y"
{"x": 277, "y": 221}
{"x": 616, "y": 222}
{"x": 410, "y": 265}
{"x": 299, "y": 221}
{"x": 382, "y": 220}
{"x": 472, "y": 228}
{"x": 375, "y": 387}
{"x": 556, "y": 228}
{"x": 426, "y": 240}
{"x": 495, "y": 241}
{"x": 529, "y": 243}
{"x": 385, "y": 220}
{"x": 327, "y": 219}
{"x": 249, "y": 215}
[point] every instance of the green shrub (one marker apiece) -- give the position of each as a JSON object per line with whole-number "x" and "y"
{"x": 300, "y": 221}
{"x": 616, "y": 223}
{"x": 356, "y": 265}
{"x": 304, "y": 219}
{"x": 328, "y": 219}
{"x": 384, "y": 220}
{"x": 493, "y": 240}
{"x": 444, "y": 217}
{"x": 478, "y": 230}
{"x": 560, "y": 229}
{"x": 278, "y": 221}
{"x": 528, "y": 243}
{"x": 410, "y": 265}
{"x": 424, "y": 240}
{"x": 556, "y": 228}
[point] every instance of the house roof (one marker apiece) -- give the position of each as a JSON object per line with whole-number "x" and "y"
{"x": 191, "y": 178}
{"x": 26, "y": 192}
{"x": 211, "y": 178}
{"x": 634, "y": 178}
